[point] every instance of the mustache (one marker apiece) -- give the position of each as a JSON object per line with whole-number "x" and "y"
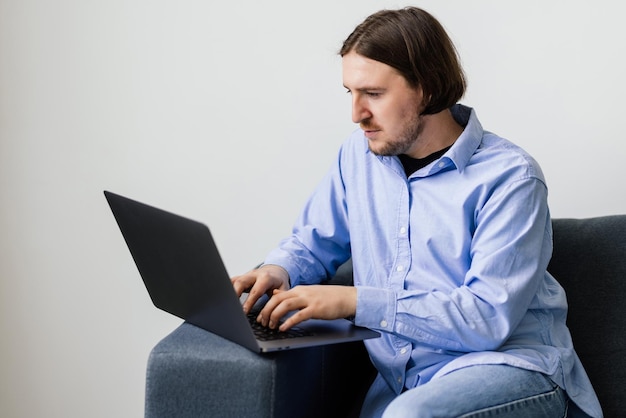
{"x": 367, "y": 125}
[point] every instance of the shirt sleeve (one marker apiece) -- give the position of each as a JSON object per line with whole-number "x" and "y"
{"x": 320, "y": 240}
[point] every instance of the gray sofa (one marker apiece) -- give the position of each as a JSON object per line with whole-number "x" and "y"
{"x": 193, "y": 373}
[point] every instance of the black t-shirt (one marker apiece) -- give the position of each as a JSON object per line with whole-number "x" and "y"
{"x": 411, "y": 165}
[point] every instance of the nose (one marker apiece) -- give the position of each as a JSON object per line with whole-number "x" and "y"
{"x": 360, "y": 111}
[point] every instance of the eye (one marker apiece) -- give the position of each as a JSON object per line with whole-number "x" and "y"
{"x": 373, "y": 94}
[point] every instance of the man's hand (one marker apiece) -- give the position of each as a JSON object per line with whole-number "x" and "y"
{"x": 258, "y": 282}
{"x": 315, "y": 301}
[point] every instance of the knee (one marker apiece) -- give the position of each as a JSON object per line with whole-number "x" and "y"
{"x": 409, "y": 404}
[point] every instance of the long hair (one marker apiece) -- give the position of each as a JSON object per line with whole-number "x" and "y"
{"x": 414, "y": 43}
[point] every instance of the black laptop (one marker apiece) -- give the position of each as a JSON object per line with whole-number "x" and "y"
{"x": 185, "y": 276}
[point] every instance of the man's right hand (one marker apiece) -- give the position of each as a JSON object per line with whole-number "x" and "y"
{"x": 260, "y": 281}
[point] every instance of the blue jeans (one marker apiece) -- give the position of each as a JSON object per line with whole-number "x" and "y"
{"x": 472, "y": 392}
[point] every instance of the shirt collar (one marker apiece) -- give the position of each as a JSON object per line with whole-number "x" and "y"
{"x": 469, "y": 140}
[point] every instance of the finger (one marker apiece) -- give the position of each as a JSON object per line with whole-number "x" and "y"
{"x": 244, "y": 282}
{"x": 274, "y": 308}
{"x": 268, "y": 310}
{"x": 264, "y": 285}
{"x": 240, "y": 285}
{"x": 295, "y": 319}
{"x": 254, "y": 295}
{"x": 281, "y": 304}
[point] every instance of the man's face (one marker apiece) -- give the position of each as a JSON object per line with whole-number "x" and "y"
{"x": 385, "y": 106}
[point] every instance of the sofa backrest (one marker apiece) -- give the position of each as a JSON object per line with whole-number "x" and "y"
{"x": 589, "y": 260}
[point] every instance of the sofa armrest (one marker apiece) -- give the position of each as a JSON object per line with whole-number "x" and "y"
{"x": 194, "y": 373}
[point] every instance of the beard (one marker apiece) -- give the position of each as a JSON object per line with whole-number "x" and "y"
{"x": 400, "y": 145}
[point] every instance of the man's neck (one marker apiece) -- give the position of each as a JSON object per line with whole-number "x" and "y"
{"x": 439, "y": 131}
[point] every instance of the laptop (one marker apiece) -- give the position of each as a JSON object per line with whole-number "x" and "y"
{"x": 184, "y": 274}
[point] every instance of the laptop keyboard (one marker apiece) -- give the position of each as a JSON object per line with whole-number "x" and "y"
{"x": 267, "y": 334}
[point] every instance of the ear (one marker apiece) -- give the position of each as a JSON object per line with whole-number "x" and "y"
{"x": 425, "y": 107}
{"x": 423, "y": 100}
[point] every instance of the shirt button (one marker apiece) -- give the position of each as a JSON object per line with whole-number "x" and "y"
{"x": 399, "y": 268}
{"x": 403, "y": 351}
{"x": 383, "y": 323}
{"x": 441, "y": 164}
{"x": 399, "y": 380}
{"x": 403, "y": 230}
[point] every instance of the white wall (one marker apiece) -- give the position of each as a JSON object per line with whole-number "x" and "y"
{"x": 230, "y": 112}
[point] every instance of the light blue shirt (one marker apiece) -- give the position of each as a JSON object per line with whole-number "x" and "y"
{"x": 449, "y": 264}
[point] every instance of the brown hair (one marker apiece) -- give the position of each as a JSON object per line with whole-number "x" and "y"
{"x": 414, "y": 43}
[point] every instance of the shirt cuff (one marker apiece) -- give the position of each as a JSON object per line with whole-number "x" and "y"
{"x": 375, "y": 308}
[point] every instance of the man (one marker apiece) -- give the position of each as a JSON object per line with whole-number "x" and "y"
{"x": 450, "y": 235}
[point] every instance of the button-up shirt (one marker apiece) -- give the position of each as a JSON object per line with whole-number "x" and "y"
{"x": 449, "y": 264}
